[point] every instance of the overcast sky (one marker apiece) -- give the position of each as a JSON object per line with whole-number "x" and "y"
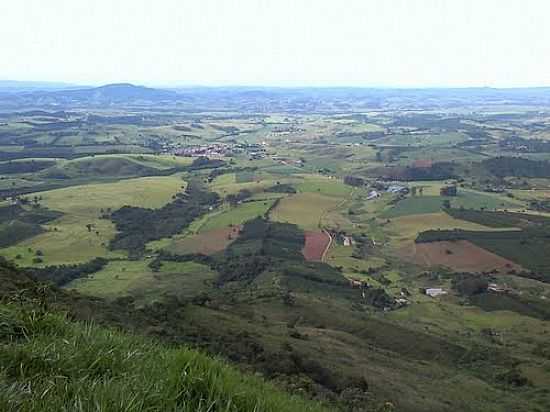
{"x": 278, "y": 42}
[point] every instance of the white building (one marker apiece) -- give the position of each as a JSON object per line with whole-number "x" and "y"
{"x": 433, "y": 292}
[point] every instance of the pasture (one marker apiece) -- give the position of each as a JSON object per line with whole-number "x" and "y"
{"x": 68, "y": 239}
{"x": 468, "y": 199}
{"x": 135, "y": 278}
{"x": 304, "y": 209}
{"x": 235, "y": 215}
{"x": 404, "y": 230}
{"x": 341, "y": 256}
{"x": 323, "y": 185}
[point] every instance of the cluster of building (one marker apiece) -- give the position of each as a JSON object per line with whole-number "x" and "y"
{"x": 217, "y": 150}
{"x": 491, "y": 288}
{"x": 210, "y": 150}
{"x": 397, "y": 189}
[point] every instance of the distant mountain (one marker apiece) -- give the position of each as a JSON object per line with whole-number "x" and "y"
{"x": 268, "y": 99}
{"x": 111, "y": 93}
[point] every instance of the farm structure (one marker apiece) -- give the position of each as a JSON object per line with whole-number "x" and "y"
{"x": 448, "y": 191}
{"x": 434, "y": 292}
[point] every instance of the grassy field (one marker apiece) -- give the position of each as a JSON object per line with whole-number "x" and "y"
{"x": 342, "y": 256}
{"x": 236, "y": 215}
{"x": 414, "y": 206}
{"x": 304, "y": 209}
{"x": 225, "y": 186}
{"x": 116, "y": 279}
{"x": 324, "y": 186}
{"x": 67, "y": 239}
{"x": 467, "y": 199}
{"x": 7, "y": 183}
{"x": 403, "y": 231}
{"x": 135, "y": 278}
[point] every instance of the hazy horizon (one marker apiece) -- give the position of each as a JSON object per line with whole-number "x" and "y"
{"x": 192, "y": 43}
{"x": 58, "y": 84}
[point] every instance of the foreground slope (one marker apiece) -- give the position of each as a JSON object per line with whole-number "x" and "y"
{"x": 48, "y": 362}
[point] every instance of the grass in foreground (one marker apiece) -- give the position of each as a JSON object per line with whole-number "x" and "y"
{"x": 50, "y": 364}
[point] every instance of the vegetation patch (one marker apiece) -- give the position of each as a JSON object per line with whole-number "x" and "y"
{"x": 31, "y": 215}
{"x": 136, "y": 226}
{"x": 281, "y": 188}
{"x": 413, "y": 205}
{"x": 204, "y": 162}
{"x": 104, "y": 166}
{"x": 15, "y": 231}
{"x": 63, "y": 274}
{"x": 491, "y": 302}
{"x": 517, "y": 166}
{"x": 245, "y": 176}
{"x": 24, "y": 166}
{"x": 498, "y": 219}
{"x": 436, "y": 171}
{"x": 72, "y": 363}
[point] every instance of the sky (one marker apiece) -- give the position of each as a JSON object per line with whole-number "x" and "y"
{"x": 364, "y": 43}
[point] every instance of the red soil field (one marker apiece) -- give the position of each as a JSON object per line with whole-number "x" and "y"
{"x": 423, "y": 163}
{"x": 461, "y": 255}
{"x": 206, "y": 243}
{"x": 315, "y": 245}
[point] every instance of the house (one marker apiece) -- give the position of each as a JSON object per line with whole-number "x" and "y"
{"x": 433, "y": 292}
{"x": 493, "y": 287}
{"x": 398, "y": 189}
{"x": 354, "y": 283}
{"x": 373, "y": 194}
{"x": 348, "y": 240}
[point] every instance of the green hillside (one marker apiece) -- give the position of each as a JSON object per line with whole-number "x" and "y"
{"x": 49, "y": 363}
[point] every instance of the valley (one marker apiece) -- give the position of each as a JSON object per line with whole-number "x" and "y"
{"x": 359, "y": 249}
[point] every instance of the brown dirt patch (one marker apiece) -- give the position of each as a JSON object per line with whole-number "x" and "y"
{"x": 315, "y": 245}
{"x": 461, "y": 256}
{"x": 206, "y": 243}
{"x": 423, "y": 163}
